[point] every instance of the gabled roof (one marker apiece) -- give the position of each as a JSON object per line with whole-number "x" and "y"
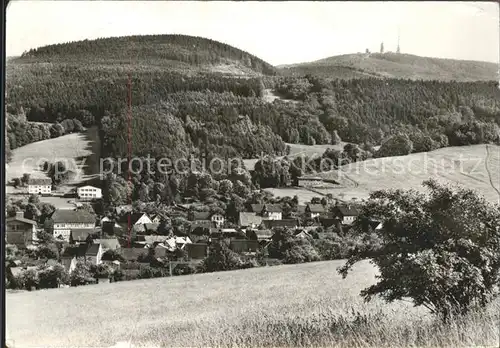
{"x": 88, "y": 186}
{"x": 72, "y": 216}
{"x": 348, "y": 210}
{"x": 316, "y": 208}
{"x": 80, "y": 234}
{"x": 39, "y": 181}
{"x": 280, "y": 223}
{"x": 264, "y": 234}
{"x": 256, "y": 208}
{"x": 328, "y": 222}
{"x": 21, "y": 219}
{"x": 248, "y": 219}
{"x": 108, "y": 243}
{"x": 151, "y": 226}
{"x": 93, "y": 250}
{"x": 272, "y": 208}
{"x": 81, "y": 250}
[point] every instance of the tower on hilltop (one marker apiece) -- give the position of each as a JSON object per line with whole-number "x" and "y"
{"x": 398, "y": 49}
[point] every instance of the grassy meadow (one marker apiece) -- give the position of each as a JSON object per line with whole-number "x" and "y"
{"x": 290, "y": 305}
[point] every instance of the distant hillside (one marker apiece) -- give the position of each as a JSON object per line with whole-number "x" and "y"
{"x": 174, "y": 51}
{"x": 394, "y": 65}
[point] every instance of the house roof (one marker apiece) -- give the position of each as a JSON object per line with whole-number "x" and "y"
{"x": 248, "y": 219}
{"x": 72, "y": 216}
{"x": 151, "y": 226}
{"x": 279, "y": 223}
{"x": 39, "y": 181}
{"x": 348, "y": 210}
{"x": 316, "y": 208}
{"x": 108, "y": 243}
{"x": 273, "y": 208}
{"x": 80, "y": 234}
{"x": 197, "y": 250}
{"x": 93, "y": 249}
{"x": 81, "y": 250}
{"x": 256, "y": 208}
{"x": 89, "y": 186}
{"x": 21, "y": 219}
{"x": 264, "y": 234}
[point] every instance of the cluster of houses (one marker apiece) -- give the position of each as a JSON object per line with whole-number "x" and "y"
{"x": 43, "y": 186}
{"x": 134, "y": 234}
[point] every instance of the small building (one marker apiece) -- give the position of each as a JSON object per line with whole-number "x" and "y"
{"x": 108, "y": 243}
{"x": 311, "y": 181}
{"x": 315, "y": 210}
{"x": 20, "y": 231}
{"x": 40, "y": 186}
{"x": 88, "y": 253}
{"x": 271, "y": 212}
{"x": 66, "y": 220}
{"x": 249, "y": 220}
{"x": 346, "y": 213}
{"x": 260, "y": 235}
{"x": 136, "y": 219}
{"x": 88, "y": 193}
{"x": 217, "y": 219}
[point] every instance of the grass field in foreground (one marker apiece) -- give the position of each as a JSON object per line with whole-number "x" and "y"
{"x": 290, "y": 305}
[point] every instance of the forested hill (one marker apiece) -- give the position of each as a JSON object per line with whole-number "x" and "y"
{"x": 174, "y": 51}
{"x": 395, "y": 65}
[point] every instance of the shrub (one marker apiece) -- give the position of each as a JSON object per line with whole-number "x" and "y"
{"x": 440, "y": 249}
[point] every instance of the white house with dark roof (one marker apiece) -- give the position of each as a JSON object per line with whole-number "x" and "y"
{"x": 88, "y": 193}
{"x": 315, "y": 210}
{"x": 39, "y": 186}
{"x": 20, "y": 231}
{"x": 249, "y": 220}
{"x": 346, "y": 213}
{"x": 66, "y": 220}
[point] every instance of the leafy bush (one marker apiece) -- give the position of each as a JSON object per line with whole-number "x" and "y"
{"x": 440, "y": 249}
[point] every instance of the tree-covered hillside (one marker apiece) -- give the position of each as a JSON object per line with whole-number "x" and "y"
{"x": 161, "y": 50}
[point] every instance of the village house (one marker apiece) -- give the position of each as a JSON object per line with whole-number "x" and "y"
{"x": 108, "y": 243}
{"x": 260, "y": 235}
{"x": 267, "y": 211}
{"x": 249, "y": 220}
{"x": 90, "y": 253}
{"x": 81, "y": 235}
{"x": 309, "y": 181}
{"x": 217, "y": 219}
{"x": 66, "y": 220}
{"x": 88, "y": 193}
{"x": 315, "y": 210}
{"x": 40, "y": 186}
{"x": 346, "y": 213}
{"x": 20, "y": 231}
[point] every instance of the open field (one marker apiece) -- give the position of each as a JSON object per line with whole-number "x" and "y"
{"x": 466, "y": 166}
{"x": 303, "y": 194}
{"x": 291, "y": 305}
{"x": 79, "y": 151}
{"x": 300, "y": 149}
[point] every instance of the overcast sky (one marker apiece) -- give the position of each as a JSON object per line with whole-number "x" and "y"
{"x": 278, "y": 32}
